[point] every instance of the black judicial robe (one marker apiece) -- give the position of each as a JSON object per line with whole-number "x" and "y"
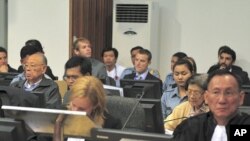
{"x": 201, "y": 127}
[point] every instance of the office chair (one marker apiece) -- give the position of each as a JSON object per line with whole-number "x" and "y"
{"x": 121, "y": 107}
{"x": 246, "y": 89}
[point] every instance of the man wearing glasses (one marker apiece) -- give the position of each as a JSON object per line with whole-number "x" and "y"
{"x": 223, "y": 96}
{"x": 35, "y": 82}
{"x": 75, "y": 67}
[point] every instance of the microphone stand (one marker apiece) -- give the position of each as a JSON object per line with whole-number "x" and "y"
{"x": 133, "y": 110}
{"x": 1, "y": 111}
{"x": 174, "y": 119}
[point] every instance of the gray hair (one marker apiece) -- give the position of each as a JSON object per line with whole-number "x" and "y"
{"x": 197, "y": 79}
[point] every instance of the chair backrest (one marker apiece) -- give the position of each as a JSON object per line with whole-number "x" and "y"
{"x": 121, "y": 107}
{"x": 62, "y": 87}
{"x": 246, "y": 89}
{"x": 6, "y": 78}
{"x": 17, "y": 97}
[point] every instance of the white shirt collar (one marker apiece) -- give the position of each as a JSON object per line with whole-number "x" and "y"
{"x": 219, "y": 133}
{"x": 143, "y": 75}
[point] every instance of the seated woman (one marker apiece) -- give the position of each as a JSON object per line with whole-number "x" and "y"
{"x": 195, "y": 89}
{"x": 182, "y": 71}
{"x": 87, "y": 94}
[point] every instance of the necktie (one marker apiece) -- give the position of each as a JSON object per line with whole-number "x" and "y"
{"x": 138, "y": 77}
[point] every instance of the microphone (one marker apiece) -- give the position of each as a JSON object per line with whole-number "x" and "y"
{"x": 133, "y": 110}
{"x": 1, "y": 111}
{"x": 174, "y": 119}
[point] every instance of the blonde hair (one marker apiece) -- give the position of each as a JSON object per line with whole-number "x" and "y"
{"x": 81, "y": 39}
{"x": 92, "y": 88}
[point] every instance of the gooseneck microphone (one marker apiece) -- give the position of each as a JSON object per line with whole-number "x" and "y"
{"x": 133, "y": 110}
{"x": 175, "y": 119}
{"x": 1, "y": 111}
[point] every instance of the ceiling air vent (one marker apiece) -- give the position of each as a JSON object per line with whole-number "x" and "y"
{"x": 132, "y": 13}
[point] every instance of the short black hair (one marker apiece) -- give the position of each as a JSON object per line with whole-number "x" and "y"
{"x": 135, "y": 48}
{"x": 36, "y": 44}
{"x": 2, "y": 49}
{"x": 84, "y": 63}
{"x": 28, "y": 50}
{"x": 221, "y": 72}
{"x": 222, "y": 48}
{"x": 230, "y": 52}
{"x": 180, "y": 55}
{"x": 110, "y": 49}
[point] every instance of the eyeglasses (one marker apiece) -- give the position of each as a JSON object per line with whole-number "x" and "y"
{"x": 72, "y": 77}
{"x": 195, "y": 93}
{"x": 31, "y": 66}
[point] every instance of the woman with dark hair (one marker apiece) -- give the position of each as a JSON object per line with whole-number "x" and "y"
{"x": 182, "y": 71}
{"x": 169, "y": 82}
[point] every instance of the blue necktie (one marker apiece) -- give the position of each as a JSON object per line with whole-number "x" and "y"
{"x": 138, "y": 77}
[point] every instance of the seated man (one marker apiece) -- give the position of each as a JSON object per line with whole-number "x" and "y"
{"x": 223, "y": 96}
{"x": 114, "y": 70}
{"x": 142, "y": 61}
{"x": 4, "y": 66}
{"x": 82, "y": 47}
{"x": 131, "y": 70}
{"x": 74, "y": 68}
{"x": 25, "y": 52}
{"x": 227, "y": 57}
{"x": 34, "y": 68}
{"x": 36, "y": 46}
{"x": 213, "y": 67}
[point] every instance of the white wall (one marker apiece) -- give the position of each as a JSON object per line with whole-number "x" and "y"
{"x": 3, "y": 23}
{"x": 200, "y": 27}
{"x": 197, "y": 27}
{"x": 45, "y": 20}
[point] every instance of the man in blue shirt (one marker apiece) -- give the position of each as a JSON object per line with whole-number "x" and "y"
{"x": 142, "y": 61}
{"x": 131, "y": 70}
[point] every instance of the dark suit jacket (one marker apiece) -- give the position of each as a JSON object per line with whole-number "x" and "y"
{"x": 98, "y": 69}
{"x": 216, "y": 66}
{"x": 235, "y": 69}
{"x": 46, "y": 86}
{"x": 10, "y": 69}
{"x": 201, "y": 127}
